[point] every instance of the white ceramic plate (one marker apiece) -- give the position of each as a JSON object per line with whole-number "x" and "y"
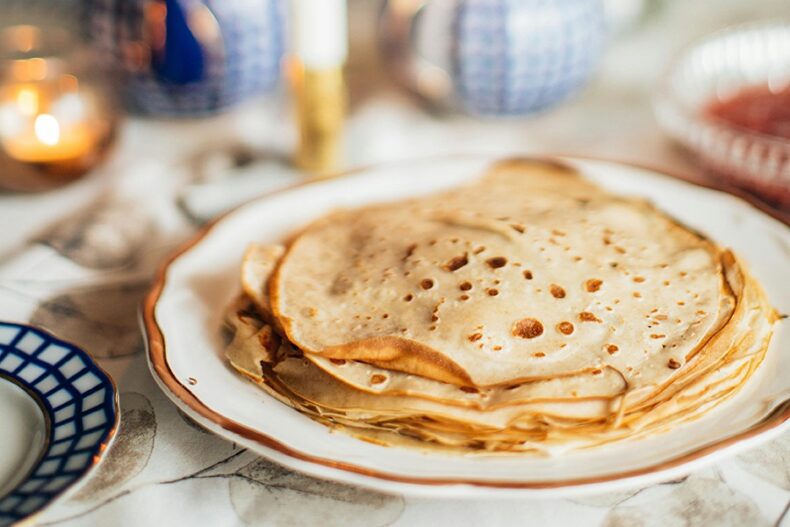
{"x": 183, "y": 314}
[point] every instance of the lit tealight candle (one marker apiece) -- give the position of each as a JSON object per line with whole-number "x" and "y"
{"x": 42, "y": 138}
{"x": 52, "y": 128}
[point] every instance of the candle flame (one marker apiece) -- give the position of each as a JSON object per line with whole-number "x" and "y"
{"x": 27, "y": 100}
{"x": 47, "y": 129}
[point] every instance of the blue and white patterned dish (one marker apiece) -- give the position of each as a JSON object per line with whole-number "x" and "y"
{"x": 80, "y": 407}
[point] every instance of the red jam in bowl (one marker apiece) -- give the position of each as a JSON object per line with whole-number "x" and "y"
{"x": 757, "y": 109}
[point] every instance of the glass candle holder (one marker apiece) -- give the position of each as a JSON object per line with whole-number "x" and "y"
{"x": 57, "y": 117}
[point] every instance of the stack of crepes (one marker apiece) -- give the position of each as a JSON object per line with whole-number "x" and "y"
{"x": 527, "y": 311}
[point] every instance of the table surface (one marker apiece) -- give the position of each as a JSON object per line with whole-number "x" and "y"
{"x": 78, "y": 260}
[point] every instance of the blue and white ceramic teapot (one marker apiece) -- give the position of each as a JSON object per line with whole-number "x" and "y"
{"x": 188, "y": 57}
{"x": 493, "y": 57}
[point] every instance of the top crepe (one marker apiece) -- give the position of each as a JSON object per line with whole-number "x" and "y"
{"x": 529, "y": 273}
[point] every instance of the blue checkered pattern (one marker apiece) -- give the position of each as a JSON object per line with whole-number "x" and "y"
{"x": 246, "y": 64}
{"x": 79, "y": 402}
{"x": 514, "y": 57}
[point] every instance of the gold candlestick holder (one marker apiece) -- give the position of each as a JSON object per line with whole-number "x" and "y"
{"x": 321, "y": 99}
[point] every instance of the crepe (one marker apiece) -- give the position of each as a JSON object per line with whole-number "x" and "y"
{"x": 527, "y": 311}
{"x": 430, "y": 287}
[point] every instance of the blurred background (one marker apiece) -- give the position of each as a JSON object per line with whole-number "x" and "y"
{"x": 199, "y": 105}
{"x": 251, "y": 94}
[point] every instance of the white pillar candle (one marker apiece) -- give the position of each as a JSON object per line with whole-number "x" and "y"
{"x": 319, "y": 33}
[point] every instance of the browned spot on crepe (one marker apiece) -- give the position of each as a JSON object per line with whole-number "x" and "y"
{"x": 565, "y": 327}
{"x": 496, "y": 262}
{"x": 593, "y": 285}
{"x": 455, "y": 263}
{"x": 377, "y": 379}
{"x": 586, "y": 316}
{"x": 557, "y": 291}
{"x": 527, "y": 328}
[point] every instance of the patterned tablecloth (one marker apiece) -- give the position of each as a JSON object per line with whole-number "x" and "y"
{"x": 77, "y": 261}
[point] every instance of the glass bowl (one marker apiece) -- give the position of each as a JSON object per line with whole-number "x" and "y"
{"x": 715, "y": 69}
